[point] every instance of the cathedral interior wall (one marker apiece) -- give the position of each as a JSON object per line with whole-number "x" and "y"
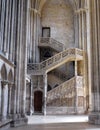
{"x": 59, "y": 16}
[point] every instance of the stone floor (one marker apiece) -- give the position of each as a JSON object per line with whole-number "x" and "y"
{"x": 58, "y": 123}
{"x": 57, "y": 119}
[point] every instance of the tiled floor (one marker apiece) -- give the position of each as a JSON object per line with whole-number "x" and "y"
{"x": 58, "y": 123}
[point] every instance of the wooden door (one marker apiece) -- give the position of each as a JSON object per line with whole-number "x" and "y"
{"x": 38, "y": 101}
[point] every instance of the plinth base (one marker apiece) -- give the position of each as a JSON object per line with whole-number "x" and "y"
{"x": 19, "y": 122}
{"x": 94, "y": 118}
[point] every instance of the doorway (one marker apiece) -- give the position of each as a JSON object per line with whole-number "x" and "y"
{"x": 46, "y": 32}
{"x": 38, "y": 101}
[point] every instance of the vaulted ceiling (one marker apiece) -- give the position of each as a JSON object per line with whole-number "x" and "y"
{"x": 74, "y": 3}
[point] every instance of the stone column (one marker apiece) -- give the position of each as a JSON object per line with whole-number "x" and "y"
{"x": 2, "y": 27}
{"x": 75, "y": 68}
{"x": 4, "y": 99}
{"x": 18, "y": 59}
{"x": 76, "y": 26}
{"x": 31, "y": 26}
{"x": 23, "y": 58}
{"x": 34, "y": 44}
{"x": 83, "y": 45}
{"x": 37, "y": 37}
{"x": 6, "y": 27}
{"x": 28, "y": 31}
{"x": 76, "y": 93}
{"x": 45, "y": 92}
{"x": 31, "y": 97}
{"x": 13, "y": 9}
{"x": 94, "y": 116}
{"x": 9, "y": 99}
{"x": 81, "y": 12}
{"x": 0, "y": 97}
{"x": 13, "y": 102}
{"x": 88, "y": 22}
{"x": 80, "y": 31}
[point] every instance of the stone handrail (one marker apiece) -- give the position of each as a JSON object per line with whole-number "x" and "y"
{"x": 66, "y": 89}
{"x": 56, "y": 60}
{"x": 48, "y": 41}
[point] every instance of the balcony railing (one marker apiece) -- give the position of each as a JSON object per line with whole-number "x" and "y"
{"x": 50, "y": 42}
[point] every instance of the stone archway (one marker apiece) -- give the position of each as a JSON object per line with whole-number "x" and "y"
{"x": 3, "y": 72}
{"x": 10, "y": 76}
{"x": 38, "y": 97}
{"x": 10, "y": 93}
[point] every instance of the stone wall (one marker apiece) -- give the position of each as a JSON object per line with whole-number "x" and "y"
{"x": 58, "y": 15}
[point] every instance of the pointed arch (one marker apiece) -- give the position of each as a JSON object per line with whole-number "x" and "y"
{"x": 3, "y": 72}
{"x": 10, "y": 76}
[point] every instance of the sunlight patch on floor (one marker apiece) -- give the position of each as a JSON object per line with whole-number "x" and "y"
{"x": 35, "y": 119}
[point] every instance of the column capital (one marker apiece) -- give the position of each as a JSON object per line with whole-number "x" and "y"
{"x": 4, "y": 82}
{"x": 80, "y": 10}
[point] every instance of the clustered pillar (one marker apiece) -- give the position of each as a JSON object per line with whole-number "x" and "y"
{"x": 94, "y": 116}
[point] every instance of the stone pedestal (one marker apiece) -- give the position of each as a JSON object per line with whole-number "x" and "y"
{"x": 94, "y": 118}
{"x": 19, "y": 122}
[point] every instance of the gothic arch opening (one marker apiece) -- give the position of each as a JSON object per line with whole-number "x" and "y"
{"x": 4, "y": 72}
{"x": 11, "y": 90}
{"x": 10, "y": 76}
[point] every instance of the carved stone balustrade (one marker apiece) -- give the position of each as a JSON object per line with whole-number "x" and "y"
{"x": 69, "y": 94}
{"x": 55, "y": 61}
{"x": 50, "y": 42}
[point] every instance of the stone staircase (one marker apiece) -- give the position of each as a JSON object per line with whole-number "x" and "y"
{"x": 52, "y": 43}
{"x": 67, "y": 90}
{"x": 68, "y": 95}
{"x": 55, "y": 61}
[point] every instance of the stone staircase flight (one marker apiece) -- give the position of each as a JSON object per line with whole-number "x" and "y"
{"x": 55, "y": 61}
{"x": 52, "y": 43}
